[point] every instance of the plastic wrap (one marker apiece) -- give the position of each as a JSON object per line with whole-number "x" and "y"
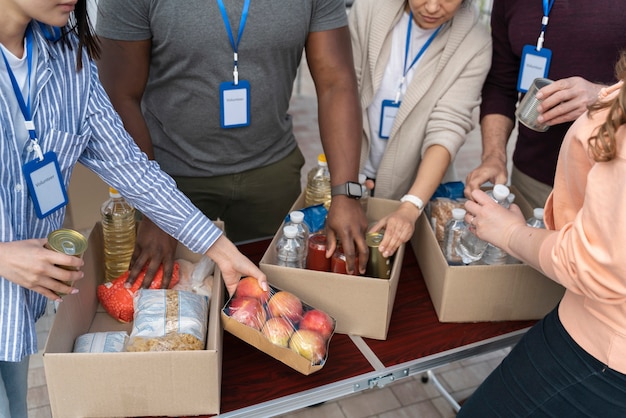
{"x": 101, "y": 342}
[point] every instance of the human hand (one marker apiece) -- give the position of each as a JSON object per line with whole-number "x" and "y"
{"x": 398, "y": 226}
{"x": 491, "y": 169}
{"x": 565, "y": 100}
{"x": 347, "y": 222}
{"x": 234, "y": 265}
{"x": 492, "y": 222}
{"x": 153, "y": 248}
{"x": 29, "y": 264}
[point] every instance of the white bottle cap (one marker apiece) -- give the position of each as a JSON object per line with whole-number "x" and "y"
{"x": 290, "y": 231}
{"x": 538, "y": 213}
{"x": 296, "y": 216}
{"x": 500, "y": 191}
{"x": 362, "y": 178}
{"x": 458, "y": 213}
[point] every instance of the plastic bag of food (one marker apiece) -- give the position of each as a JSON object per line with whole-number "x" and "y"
{"x": 196, "y": 277}
{"x": 101, "y": 342}
{"x": 169, "y": 320}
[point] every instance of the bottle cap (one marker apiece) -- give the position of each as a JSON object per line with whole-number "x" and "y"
{"x": 296, "y": 216}
{"x": 500, "y": 191}
{"x": 113, "y": 192}
{"x": 362, "y": 178}
{"x": 538, "y": 213}
{"x": 290, "y": 231}
{"x": 458, "y": 213}
{"x": 321, "y": 159}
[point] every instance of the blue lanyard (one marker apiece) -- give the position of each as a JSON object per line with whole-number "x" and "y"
{"x": 242, "y": 25}
{"x": 419, "y": 54}
{"x": 25, "y": 105}
{"x": 547, "y": 7}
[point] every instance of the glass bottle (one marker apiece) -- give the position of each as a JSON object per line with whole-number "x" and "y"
{"x": 318, "y": 184}
{"x": 452, "y": 232}
{"x": 289, "y": 250}
{"x": 118, "y": 229}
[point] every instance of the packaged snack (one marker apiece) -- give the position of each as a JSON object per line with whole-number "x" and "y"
{"x": 101, "y": 342}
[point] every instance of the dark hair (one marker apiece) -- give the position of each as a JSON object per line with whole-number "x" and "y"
{"x": 80, "y": 24}
{"x": 602, "y": 145}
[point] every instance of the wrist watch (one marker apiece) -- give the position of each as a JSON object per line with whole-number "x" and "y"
{"x": 419, "y": 204}
{"x": 351, "y": 189}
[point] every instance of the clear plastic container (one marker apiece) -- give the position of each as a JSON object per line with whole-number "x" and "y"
{"x": 318, "y": 184}
{"x": 536, "y": 221}
{"x": 118, "y": 228}
{"x": 494, "y": 255}
{"x": 452, "y": 233}
{"x": 289, "y": 249}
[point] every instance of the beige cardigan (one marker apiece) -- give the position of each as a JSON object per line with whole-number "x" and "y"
{"x": 439, "y": 102}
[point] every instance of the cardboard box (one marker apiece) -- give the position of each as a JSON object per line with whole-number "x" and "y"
{"x": 127, "y": 384}
{"x": 361, "y": 305}
{"x": 258, "y": 340}
{"x": 85, "y": 194}
{"x": 481, "y": 292}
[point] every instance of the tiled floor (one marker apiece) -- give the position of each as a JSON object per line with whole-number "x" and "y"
{"x": 405, "y": 398}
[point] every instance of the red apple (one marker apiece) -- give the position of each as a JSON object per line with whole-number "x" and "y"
{"x": 249, "y": 286}
{"x": 247, "y": 311}
{"x": 319, "y": 321}
{"x": 287, "y": 305}
{"x": 278, "y": 331}
{"x": 309, "y": 344}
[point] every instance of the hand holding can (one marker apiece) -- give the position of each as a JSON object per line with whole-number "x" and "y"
{"x": 68, "y": 242}
{"x": 526, "y": 112}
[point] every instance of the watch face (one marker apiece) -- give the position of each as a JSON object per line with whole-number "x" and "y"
{"x": 354, "y": 189}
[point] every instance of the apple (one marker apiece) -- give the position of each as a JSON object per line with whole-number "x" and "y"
{"x": 278, "y": 331}
{"x": 309, "y": 344}
{"x": 287, "y": 305}
{"x": 249, "y": 286}
{"x": 248, "y": 311}
{"x": 319, "y": 321}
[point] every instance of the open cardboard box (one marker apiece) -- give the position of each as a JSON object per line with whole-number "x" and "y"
{"x": 361, "y": 305}
{"x": 170, "y": 383}
{"x": 258, "y": 340}
{"x": 476, "y": 293}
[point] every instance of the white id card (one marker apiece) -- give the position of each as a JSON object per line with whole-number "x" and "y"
{"x": 235, "y": 104}
{"x": 388, "y": 112}
{"x": 535, "y": 64}
{"x": 45, "y": 184}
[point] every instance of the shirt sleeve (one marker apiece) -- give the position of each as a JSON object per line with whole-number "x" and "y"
{"x": 126, "y": 20}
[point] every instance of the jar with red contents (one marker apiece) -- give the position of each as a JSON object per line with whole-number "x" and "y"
{"x": 338, "y": 262}
{"x": 316, "y": 256}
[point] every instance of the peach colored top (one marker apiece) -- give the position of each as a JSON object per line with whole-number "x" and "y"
{"x": 588, "y": 253}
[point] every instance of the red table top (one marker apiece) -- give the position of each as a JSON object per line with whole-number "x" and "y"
{"x": 250, "y": 377}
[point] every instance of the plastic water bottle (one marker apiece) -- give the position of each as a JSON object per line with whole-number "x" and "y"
{"x": 365, "y": 192}
{"x": 289, "y": 250}
{"x": 470, "y": 247}
{"x": 296, "y": 218}
{"x": 494, "y": 255}
{"x": 452, "y": 233}
{"x": 118, "y": 228}
{"x": 318, "y": 184}
{"x": 536, "y": 221}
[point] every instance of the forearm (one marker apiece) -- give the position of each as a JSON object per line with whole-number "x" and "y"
{"x": 430, "y": 173}
{"x": 524, "y": 243}
{"x": 495, "y": 130}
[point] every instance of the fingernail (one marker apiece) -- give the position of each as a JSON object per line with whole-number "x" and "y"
{"x": 74, "y": 291}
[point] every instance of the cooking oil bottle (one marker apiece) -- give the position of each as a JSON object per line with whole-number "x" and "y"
{"x": 118, "y": 227}
{"x": 318, "y": 184}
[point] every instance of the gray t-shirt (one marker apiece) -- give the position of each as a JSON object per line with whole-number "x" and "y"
{"x": 192, "y": 55}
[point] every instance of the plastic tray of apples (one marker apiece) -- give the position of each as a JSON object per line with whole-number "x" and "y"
{"x": 280, "y": 324}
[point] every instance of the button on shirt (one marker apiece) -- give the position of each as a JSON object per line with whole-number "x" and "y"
{"x": 74, "y": 118}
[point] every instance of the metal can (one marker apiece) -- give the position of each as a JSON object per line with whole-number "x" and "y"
{"x": 67, "y": 241}
{"x": 377, "y": 265}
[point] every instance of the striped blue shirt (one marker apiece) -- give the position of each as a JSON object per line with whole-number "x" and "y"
{"x": 74, "y": 118}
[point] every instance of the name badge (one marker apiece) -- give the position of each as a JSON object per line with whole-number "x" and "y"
{"x": 535, "y": 64}
{"x": 45, "y": 185}
{"x": 388, "y": 114}
{"x": 235, "y": 104}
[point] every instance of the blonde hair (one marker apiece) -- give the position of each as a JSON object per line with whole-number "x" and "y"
{"x": 603, "y": 145}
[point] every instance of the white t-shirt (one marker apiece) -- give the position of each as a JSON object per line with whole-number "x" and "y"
{"x": 391, "y": 82}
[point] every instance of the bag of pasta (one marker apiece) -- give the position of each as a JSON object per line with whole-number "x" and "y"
{"x": 169, "y": 320}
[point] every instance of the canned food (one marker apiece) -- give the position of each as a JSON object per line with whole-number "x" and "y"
{"x": 377, "y": 265}
{"x": 316, "y": 255}
{"x": 67, "y": 241}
